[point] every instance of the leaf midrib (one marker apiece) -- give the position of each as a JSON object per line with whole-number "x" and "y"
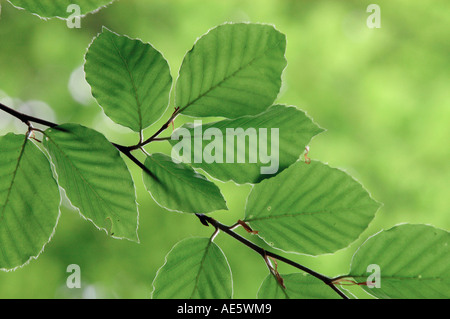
{"x": 124, "y": 61}
{"x": 294, "y": 215}
{"x": 200, "y": 269}
{"x": 22, "y": 150}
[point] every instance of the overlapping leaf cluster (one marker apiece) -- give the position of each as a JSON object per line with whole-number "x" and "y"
{"x": 233, "y": 72}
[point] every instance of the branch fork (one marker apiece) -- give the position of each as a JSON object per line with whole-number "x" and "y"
{"x": 268, "y": 257}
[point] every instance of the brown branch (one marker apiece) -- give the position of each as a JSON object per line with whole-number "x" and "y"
{"x": 264, "y": 253}
{"x": 205, "y": 220}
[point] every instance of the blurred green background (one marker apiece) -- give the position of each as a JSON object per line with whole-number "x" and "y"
{"x": 382, "y": 94}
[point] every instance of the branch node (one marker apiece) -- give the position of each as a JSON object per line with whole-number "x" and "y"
{"x": 307, "y": 159}
{"x": 274, "y": 270}
{"x": 245, "y": 226}
{"x": 203, "y": 219}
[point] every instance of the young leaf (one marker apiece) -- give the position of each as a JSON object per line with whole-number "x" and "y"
{"x": 233, "y": 70}
{"x": 29, "y": 201}
{"x": 310, "y": 208}
{"x": 413, "y": 263}
{"x": 195, "y": 268}
{"x": 176, "y": 186}
{"x": 52, "y": 8}
{"x": 284, "y": 132}
{"x": 298, "y": 286}
{"x": 95, "y": 178}
{"x": 130, "y": 79}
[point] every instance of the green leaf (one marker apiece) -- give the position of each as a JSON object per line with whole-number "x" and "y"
{"x": 176, "y": 186}
{"x": 293, "y": 128}
{"x": 298, "y": 286}
{"x": 95, "y": 178}
{"x": 233, "y": 70}
{"x": 59, "y": 8}
{"x": 413, "y": 261}
{"x": 130, "y": 79}
{"x": 195, "y": 268}
{"x": 310, "y": 208}
{"x": 29, "y": 201}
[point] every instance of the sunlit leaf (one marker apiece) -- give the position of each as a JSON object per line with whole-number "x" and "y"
{"x": 195, "y": 268}
{"x": 95, "y": 178}
{"x": 310, "y": 208}
{"x": 273, "y": 140}
{"x": 130, "y": 79}
{"x": 59, "y": 8}
{"x": 233, "y": 70}
{"x": 413, "y": 263}
{"x": 176, "y": 186}
{"x": 29, "y": 201}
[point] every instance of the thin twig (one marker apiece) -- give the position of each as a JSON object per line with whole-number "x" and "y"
{"x": 154, "y": 137}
